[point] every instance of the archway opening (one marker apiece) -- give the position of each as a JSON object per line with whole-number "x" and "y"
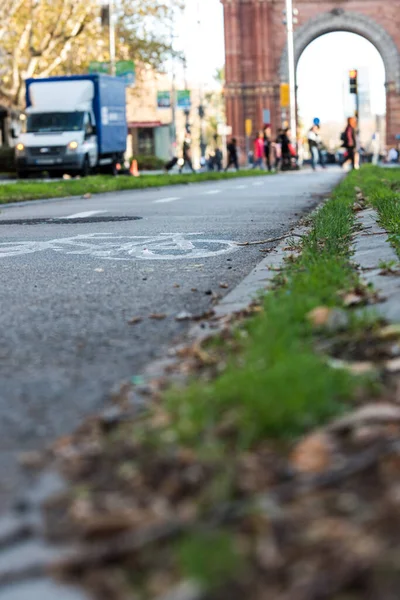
{"x": 323, "y": 89}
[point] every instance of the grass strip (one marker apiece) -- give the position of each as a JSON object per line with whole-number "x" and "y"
{"x": 37, "y": 190}
{"x": 277, "y": 385}
{"x": 381, "y": 188}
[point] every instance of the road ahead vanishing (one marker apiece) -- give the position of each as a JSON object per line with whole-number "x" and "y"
{"x": 74, "y": 272}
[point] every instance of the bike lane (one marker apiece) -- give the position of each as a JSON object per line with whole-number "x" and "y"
{"x": 72, "y": 293}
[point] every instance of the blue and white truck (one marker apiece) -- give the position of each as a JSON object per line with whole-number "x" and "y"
{"x": 74, "y": 125}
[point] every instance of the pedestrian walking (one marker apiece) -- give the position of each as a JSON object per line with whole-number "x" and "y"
{"x": 313, "y": 144}
{"x": 278, "y": 149}
{"x": 259, "y": 151}
{"x": 267, "y": 146}
{"x": 286, "y": 150}
{"x": 187, "y": 155}
{"x": 349, "y": 139}
{"x": 393, "y": 156}
{"x": 375, "y": 148}
{"x": 218, "y": 159}
{"x": 232, "y": 155}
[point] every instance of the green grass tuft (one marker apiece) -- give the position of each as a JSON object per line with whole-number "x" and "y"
{"x": 36, "y": 190}
{"x": 208, "y": 557}
{"x": 276, "y": 385}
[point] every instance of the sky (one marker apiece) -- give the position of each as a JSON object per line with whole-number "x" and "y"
{"x": 321, "y": 69}
{"x": 200, "y": 34}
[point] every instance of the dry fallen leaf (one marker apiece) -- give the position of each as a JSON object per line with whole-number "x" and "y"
{"x": 389, "y": 332}
{"x": 87, "y": 196}
{"x": 352, "y": 299}
{"x": 313, "y": 454}
{"x": 135, "y": 320}
{"x": 193, "y": 290}
{"x": 319, "y": 316}
{"x": 176, "y": 285}
{"x": 367, "y": 415}
{"x": 355, "y": 367}
{"x": 158, "y": 316}
{"x": 223, "y": 285}
{"x": 31, "y": 459}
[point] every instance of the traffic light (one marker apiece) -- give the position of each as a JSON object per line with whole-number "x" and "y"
{"x": 353, "y": 76}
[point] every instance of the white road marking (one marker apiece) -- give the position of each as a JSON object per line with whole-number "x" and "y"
{"x": 258, "y": 183}
{"x": 165, "y": 246}
{"x": 84, "y": 215}
{"x": 162, "y": 200}
{"x": 212, "y": 192}
{"x": 240, "y": 187}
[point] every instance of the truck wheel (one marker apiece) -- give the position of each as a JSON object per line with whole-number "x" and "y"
{"x": 85, "y": 171}
{"x": 22, "y": 174}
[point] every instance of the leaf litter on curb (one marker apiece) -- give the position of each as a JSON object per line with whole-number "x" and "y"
{"x": 303, "y": 521}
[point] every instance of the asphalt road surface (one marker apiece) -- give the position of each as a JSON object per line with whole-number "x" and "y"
{"x": 73, "y": 272}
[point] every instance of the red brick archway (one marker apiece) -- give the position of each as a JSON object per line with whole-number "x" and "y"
{"x": 256, "y": 60}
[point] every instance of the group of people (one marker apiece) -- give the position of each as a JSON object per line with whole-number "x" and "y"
{"x": 278, "y": 154}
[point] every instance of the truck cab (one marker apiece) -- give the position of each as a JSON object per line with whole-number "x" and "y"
{"x": 68, "y": 128}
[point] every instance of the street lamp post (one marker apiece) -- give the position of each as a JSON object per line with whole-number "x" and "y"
{"x": 291, "y": 67}
{"x": 112, "y": 36}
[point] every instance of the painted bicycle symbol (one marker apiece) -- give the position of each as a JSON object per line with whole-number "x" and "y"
{"x": 165, "y": 246}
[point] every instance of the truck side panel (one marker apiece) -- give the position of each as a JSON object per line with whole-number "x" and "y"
{"x": 110, "y": 111}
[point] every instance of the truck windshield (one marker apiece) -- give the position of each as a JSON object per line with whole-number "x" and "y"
{"x": 45, "y": 122}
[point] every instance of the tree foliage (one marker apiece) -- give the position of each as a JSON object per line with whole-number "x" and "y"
{"x": 40, "y": 38}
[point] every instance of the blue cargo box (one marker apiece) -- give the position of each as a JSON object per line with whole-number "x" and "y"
{"x": 109, "y": 107}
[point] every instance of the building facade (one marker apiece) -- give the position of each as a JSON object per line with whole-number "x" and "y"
{"x": 256, "y": 54}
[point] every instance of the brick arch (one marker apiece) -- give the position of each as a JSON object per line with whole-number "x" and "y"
{"x": 339, "y": 20}
{"x": 255, "y": 42}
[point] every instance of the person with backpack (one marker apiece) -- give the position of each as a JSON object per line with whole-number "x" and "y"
{"x": 349, "y": 141}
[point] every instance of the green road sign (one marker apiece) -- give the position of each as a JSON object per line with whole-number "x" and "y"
{"x": 123, "y": 68}
{"x": 183, "y": 99}
{"x": 164, "y": 99}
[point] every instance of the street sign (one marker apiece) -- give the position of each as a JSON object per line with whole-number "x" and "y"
{"x": 285, "y": 95}
{"x": 248, "y": 125}
{"x": 123, "y": 68}
{"x": 126, "y": 70}
{"x": 164, "y": 99}
{"x": 183, "y": 99}
{"x": 266, "y": 116}
{"x": 99, "y": 67}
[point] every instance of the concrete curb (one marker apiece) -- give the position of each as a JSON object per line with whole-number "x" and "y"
{"x": 371, "y": 247}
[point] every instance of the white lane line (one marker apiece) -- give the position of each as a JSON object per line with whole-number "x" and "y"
{"x": 162, "y": 200}
{"x": 84, "y": 215}
{"x": 258, "y": 183}
{"x": 212, "y": 192}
